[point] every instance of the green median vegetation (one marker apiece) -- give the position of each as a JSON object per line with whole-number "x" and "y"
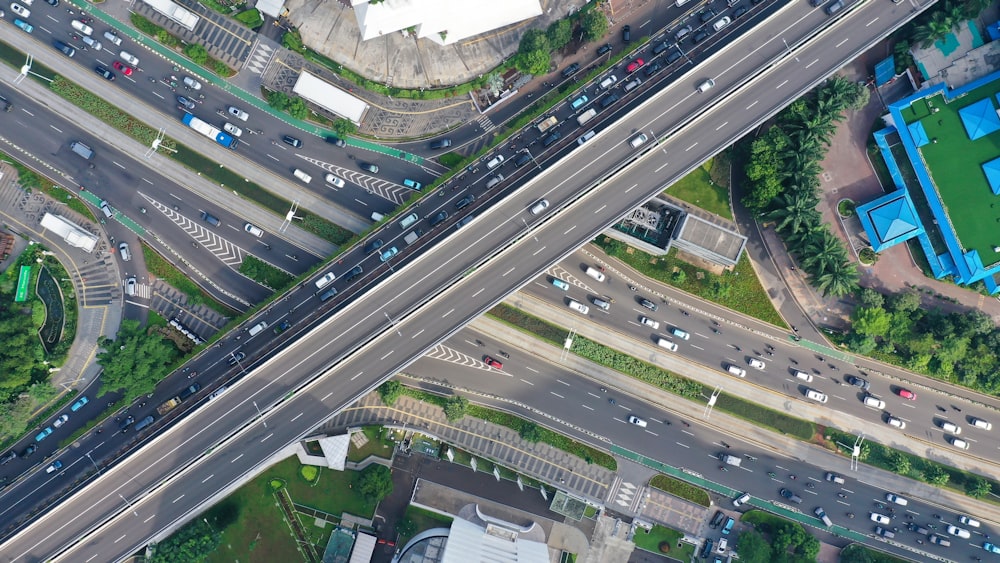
{"x": 681, "y": 489}
{"x": 266, "y": 274}
{"x": 158, "y": 266}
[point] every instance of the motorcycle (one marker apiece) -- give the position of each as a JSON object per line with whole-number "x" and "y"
{"x": 723, "y": 467}
{"x": 632, "y": 288}
{"x": 810, "y": 486}
{"x": 792, "y": 477}
{"x": 850, "y": 515}
{"x": 841, "y": 495}
{"x": 771, "y": 474}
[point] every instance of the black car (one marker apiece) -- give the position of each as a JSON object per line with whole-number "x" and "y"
{"x": 67, "y": 50}
{"x": 653, "y": 69}
{"x": 104, "y": 72}
{"x": 290, "y": 140}
{"x": 32, "y": 448}
{"x": 717, "y": 519}
{"x": 604, "y": 49}
{"x": 126, "y": 422}
{"x": 465, "y": 201}
{"x": 186, "y": 103}
{"x": 568, "y": 71}
{"x": 8, "y": 457}
{"x": 190, "y": 390}
{"x": 673, "y": 56}
{"x": 707, "y": 15}
{"x": 353, "y": 274}
{"x": 648, "y": 304}
{"x": 661, "y": 48}
{"x": 373, "y": 245}
{"x": 522, "y": 159}
{"x": 627, "y": 33}
{"x": 700, "y": 36}
{"x": 858, "y": 382}
{"x": 285, "y": 325}
{"x": 235, "y": 358}
{"x": 553, "y": 137}
{"x": 439, "y": 218}
{"x": 369, "y": 167}
{"x": 53, "y": 2}
{"x": 739, "y": 12}
{"x": 440, "y": 144}
{"x": 608, "y": 100}
{"x": 336, "y": 141}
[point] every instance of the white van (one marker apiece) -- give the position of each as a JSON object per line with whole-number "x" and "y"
{"x": 81, "y": 27}
{"x": 585, "y": 137}
{"x": 896, "y": 499}
{"x": 598, "y": 302}
{"x": 376, "y": 216}
{"x": 578, "y": 307}
{"x": 106, "y": 209}
{"x": 255, "y": 329}
{"x": 736, "y": 370}
{"x": 807, "y": 377}
{"x": 980, "y": 423}
{"x": 302, "y": 176}
{"x": 497, "y": 161}
{"x": 609, "y": 81}
{"x": 664, "y": 343}
{"x": 633, "y": 419}
{"x": 410, "y": 219}
{"x": 970, "y": 522}
{"x": 595, "y": 273}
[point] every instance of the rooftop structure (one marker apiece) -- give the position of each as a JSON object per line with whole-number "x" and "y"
{"x": 70, "y": 232}
{"x": 441, "y": 21}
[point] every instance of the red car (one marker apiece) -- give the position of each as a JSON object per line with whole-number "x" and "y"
{"x": 635, "y": 65}
{"x": 123, "y": 68}
{"x": 490, "y": 361}
{"x": 907, "y": 394}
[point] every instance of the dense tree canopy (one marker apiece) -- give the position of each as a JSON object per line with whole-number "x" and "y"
{"x": 375, "y": 482}
{"x": 135, "y": 361}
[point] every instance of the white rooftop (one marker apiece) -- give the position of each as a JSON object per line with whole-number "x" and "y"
{"x": 327, "y": 96}
{"x": 72, "y": 234}
{"x": 494, "y": 543}
{"x": 455, "y": 19}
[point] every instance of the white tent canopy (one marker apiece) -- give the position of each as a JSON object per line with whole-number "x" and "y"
{"x": 327, "y": 96}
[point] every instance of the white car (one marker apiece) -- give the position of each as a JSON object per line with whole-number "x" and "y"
{"x": 971, "y": 522}
{"x": 897, "y": 422}
{"x": 896, "y": 499}
{"x": 238, "y": 113}
{"x": 756, "y": 363}
{"x": 960, "y": 532}
{"x": 113, "y": 37}
{"x": 82, "y": 27}
{"x": 253, "y": 230}
{"x": 980, "y": 423}
{"x": 816, "y": 395}
{"x": 130, "y": 286}
{"x": 129, "y": 58}
{"x": 232, "y": 129}
{"x": 638, "y": 140}
{"x": 951, "y": 427}
{"x": 330, "y": 178}
{"x": 741, "y": 500}
{"x": 879, "y": 518}
{"x": 540, "y": 206}
{"x": 325, "y": 280}
{"x": 20, "y": 10}
{"x": 807, "y": 377}
{"x": 192, "y": 83}
{"x": 60, "y": 421}
{"x": 736, "y": 370}
{"x": 874, "y": 402}
{"x": 959, "y": 443}
{"x": 655, "y": 325}
{"x": 579, "y": 307}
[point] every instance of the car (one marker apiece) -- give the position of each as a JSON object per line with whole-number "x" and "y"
{"x": 707, "y": 15}
{"x": 980, "y": 423}
{"x": 125, "y": 252}
{"x": 895, "y": 421}
{"x": 112, "y": 36}
{"x": 717, "y": 519}
{"x": 634, "y": 65}
{"x": 992, "y": 548}
{"x": 232, "y": 129}
{"x": 79, "y": 404}
{"x": 578, "y": 307}
{"x": 20, "y": 10}
{"x": 439, "y": 218}
{"x": 874, "y": 402}
{"x": 353, "y": 274}
{"x": 282, "y": 327}
{"x": 741, "y": 500}
{"x": 8, "y": 457}
{"x": 54, "y": 466}
{"x": 373, "y": 245}
{"x": 578, "y": 102}
{"x": 879, "y": 518}
{"x": 126, "y": 422}
{"x": 653, "y": 324}
{"x": 654, "y": 68}
{"x": 756, "y": 363}
{"x": 834, "y": 477}
{"x": 253, "y": 229}
{"x": 633, "y": 419}
{"x": 129, "y": 58}
{"x": 807, "y": 377}
{"x": 739, "y": 12}
{"x": 25, "y": 26}
{"x": 123, "y": 68}
{"x": 585, "y": 137}
{"x": 493, "y": 362}
{"x": 336, "y": 141}
{"x": 185, "y": 103}
{"x": 465, "y": 201}
{"x": 958, "y": 443}
{"x": 638, "y": 140}
{"x": 331, "y": 179}
{"x": 700, "y": 36}
{"x": 721, "y": 23}
{"x": 131, "y": 285}
{"x": 191, "y": 83}
{"x": 237, "y": 113}
{"x": 968, "y": 521}
{"x": 412, "y": 184}
{"x": 237, "y": 358}
{"x": 857, "y": 382}
{"x": 682, "y": 33}
{"x": 83, "y": 28}
{"x": 606, "y": 48}
{"x": 683, "y": 335}
{"x": 790, "y": 496}
{"x": 325, "y": 280}
{"x": 440, "y": 144}
{"x": 627, "y": 33}
{"x": 32, "y": 448}
{"x": 960, "y": 532}
{"x": 43, "y": 434}
{"x": 369, "y": 167}
{"x": 107, "y": 74}
{"x": 52, "y": 2}
{"x": 388, "y": 254}
{"x": 560, "y": 284}
{"x": 906, "y": 394}
{"x": 67, "y": 50}
{"x": 539, "y": 207}
{"x": 951, "y": 427}
{"x": 816, "y": 395}
{"x": 728, "y": 526}
{"x": 648, "y": 304}
{"x": 892, "y": 497}
{"x": 736, "y": 370}
{"x": 91, "y": 42}
{"x": 291, "y": 141}
{"x": 706, "y": 85}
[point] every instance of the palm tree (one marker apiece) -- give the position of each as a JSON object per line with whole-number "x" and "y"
{"x": 838, "y": 281}
{"x": 939, "y": 25}
{"x": 823, "y": 252}
{"x": 795, "y": 211}
{"x": 799, "y": 241}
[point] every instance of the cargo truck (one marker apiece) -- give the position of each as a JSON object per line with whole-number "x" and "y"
{"x": 547, "y": 123}
{"x": 586, "y": 116}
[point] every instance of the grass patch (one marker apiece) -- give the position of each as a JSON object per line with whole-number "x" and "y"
{"x": 681, "y": 489}
{"x": 422, "y": 520}
{"x": 699, "y": 189}
{"x": 804, "y": 430}
{"x": 738, "y": 289}
{"x": 858, "y": 552}
{"x": 378, "y": 444}
{"x": 589, "y": 512}
{"x": 519, "y": 425}
{"x": 265, "y": 274}
{"x": 659, "y": 536}
{"x": 159, "y": 267}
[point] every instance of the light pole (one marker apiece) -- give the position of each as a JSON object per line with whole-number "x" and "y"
{"x": 136, "y": 514}
{"x": 260, "y": 414}
{"x": 95, "y": 463}
{"x": 392, "y": 323}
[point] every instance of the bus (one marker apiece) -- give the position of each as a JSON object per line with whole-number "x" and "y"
{"x": 224, "y": 139}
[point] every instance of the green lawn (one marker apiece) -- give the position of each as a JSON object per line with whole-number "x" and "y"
{"x": 680, "y": 489}
{"x": 651, "y": 542}
{"x": 698, "y": 189}
{"x": 955, "y": 164}
{"x": 423, "y": 520}
{"x": 378, "y": 444}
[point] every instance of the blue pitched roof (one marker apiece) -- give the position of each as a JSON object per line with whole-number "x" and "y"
{"x": 980, "y": 119}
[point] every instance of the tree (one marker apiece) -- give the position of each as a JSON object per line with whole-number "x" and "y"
{"x": 795, "y": 211}
{"x": 455, "y": 407}
{"x": 679, "y": 276}
{"x": 134, "y": 362}
{"x": 904, "y": 302}
{"x": 196, "y": 53}
{"x": 839, "y": 280}
{"x": 278, "y": 100}
{"x": 530, "y": 432}
{"x": 899, "y": 462}
{"x": 868, "y": 297}
{"x": 390, "y": 391}
{"x": 978, "y": 487}
{"x": 871, "y": 321}
{"x": 193, "y": 542}
{"x": 594, "y": 24}
{"x": 375, "y": 482}
{"x": 754, "y": 548}
{"x": 822, "y": 252}
{"x": 936, "y": 475}
{"x": 344, "y": 127}
{"x": 533, "y": 53}
{"x": 559, "y": 34}
{"x": 298, "y": 109}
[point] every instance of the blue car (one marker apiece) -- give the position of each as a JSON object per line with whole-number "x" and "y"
{"x": 27, "y": 27}
{"x": 579, "y": 102}
{"x": 55, "y": 466}
{"x": 388, "y": 254}
{"x": 79, "y": 404}
{"x": 728, "y": 527}
{"x": 992, "y": 548}
{"x": 43, "y": 434}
